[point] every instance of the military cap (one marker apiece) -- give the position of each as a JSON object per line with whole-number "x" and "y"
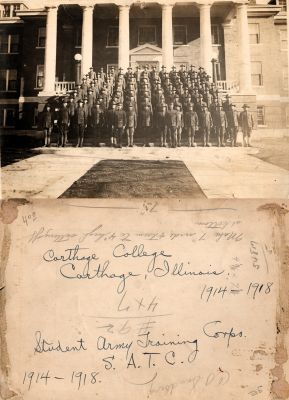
{"x": 80, "y": 101}
{"x": 246, "y": 106}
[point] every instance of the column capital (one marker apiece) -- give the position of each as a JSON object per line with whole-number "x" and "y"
{"x": 87, "y": 6}
{"x": 123, "y": 7}
{"x": 167, "y": 5}
{"x": 204, "y": 6}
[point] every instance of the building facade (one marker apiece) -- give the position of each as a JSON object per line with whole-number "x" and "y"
{"x": 244, "y": 47}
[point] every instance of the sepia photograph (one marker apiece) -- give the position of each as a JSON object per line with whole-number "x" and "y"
{"x": 144, "y": 211}
{"x": 135, "y": 99}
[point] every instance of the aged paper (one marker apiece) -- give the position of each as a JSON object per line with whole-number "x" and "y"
{"x": 144, "y": 300}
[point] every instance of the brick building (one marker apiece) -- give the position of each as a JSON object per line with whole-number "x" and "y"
{"x": 247, "y": 43}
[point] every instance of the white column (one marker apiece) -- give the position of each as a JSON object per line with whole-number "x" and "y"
{"x": 245, "y": 81}
{"x": 50, "y": 52}
{"x": 167, "y": 35}
{"x": 205, "y": 38}
{"x": 123, "y": 37}
{"x": 87, "y": 39}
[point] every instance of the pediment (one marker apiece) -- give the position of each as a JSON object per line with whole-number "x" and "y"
{"x": 146, "y": 49}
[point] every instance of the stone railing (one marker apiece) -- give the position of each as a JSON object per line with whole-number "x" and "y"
{"x": 63, "y": 87}
{"x": 228, "y": 86}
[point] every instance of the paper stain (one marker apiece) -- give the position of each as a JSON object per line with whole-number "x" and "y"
{"x": 8, "y": 214}
{"x": 279, "y": 385}
{"x": 9, "y": 210}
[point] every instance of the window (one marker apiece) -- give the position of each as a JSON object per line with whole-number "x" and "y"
{"x": 260, "y": 115}
{"x": 112, "y": 36}
{"x": 41, "y": 37}
{"x": 283, "y": 39}
{"x": 40, "y": 76}
{"x": 257, "y": 78}
{"x": 216, "y": 34}
{"x": 180, "y": 35}
{"x": 7, "y": 117}
{"x": 282, "y": 3}
{"x": 9, "y": 43}
{"x": 8, "y": 80}
{"x": 285, "y": 78}
{"x": 9, "y": 10}
{"x": 254, "y": 33}
{"x": 78, "y": 36}
{"x": 147, "y": 34}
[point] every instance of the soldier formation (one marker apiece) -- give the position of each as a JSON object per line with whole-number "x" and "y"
{"x": 163, "y": 106}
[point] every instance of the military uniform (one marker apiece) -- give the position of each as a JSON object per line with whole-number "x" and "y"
{"x": 63, "y": 121}
{"x": 247, "y": 124}
{"x": 233, "y": 122}
{"x": 191, "y": 123}
{"x": 205, "y": 124}
{"x": 171, "y": 122}
{"x": 221, "y": 124}
{"x": 161, "y": 123}
{"x": 131, "y": 125}
{"x": 119, "y": 124}
{"x": 97, "y": 121}
{"x": 47, "y": 124}
{"x": 80, "y": 123}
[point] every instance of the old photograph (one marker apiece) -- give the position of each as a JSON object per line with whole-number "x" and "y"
{"x": 134, "y": 99}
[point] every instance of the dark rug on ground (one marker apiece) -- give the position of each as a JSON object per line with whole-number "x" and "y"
{"x": 136, "y": 178}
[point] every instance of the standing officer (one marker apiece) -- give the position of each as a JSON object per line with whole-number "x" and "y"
{"x": 233, "y": 122}
{"x": 47, "y": 124}
{"x": 161, "y": 123}
{"x": 80, "y": 122}
{"x": 171, "y": 122}
{"x": 146, "y": 117}
{"x": 191, "y": 122}
{"x": 97, "y": 121}
{"x": 205, "y": 123}
{"x": 110, "y": 124}
{"x": 119, "y": 123}
{"x": 64, "y": 122}
{"x": 246, "y": 124}
{"x": 131, "y": 119}
{"x": 180, "y": 125}
{"x": 221, "y": 125}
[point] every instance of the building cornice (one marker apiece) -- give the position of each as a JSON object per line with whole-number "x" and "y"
{"x": 263, "y": 10}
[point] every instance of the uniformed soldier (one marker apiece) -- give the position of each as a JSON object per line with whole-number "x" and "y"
{"x": 97, "y": 121}
{"x": 233, "y": 123}
{"x": 119, "y": 123}
{"x": 110, "y": 124}
{"x": 81, "y": 123}
{"x": 47, "y": 124}
{"x": 161, "y": 123}
{"x": 191, "y": 123}
{"x": 180, "y": 125}
{"x": 221, "y": 125}
{"x": 63, "y": 122}
{"x": 205, "y": 124}
{"x": 131, "y": 124}
{"x": 146, "y": 118}
{"x": 171, "y": 123}
{"x": 91, "y": 74}
{"x": 247, "y": 125}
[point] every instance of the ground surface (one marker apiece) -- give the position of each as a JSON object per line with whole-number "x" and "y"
{"x": 257, "y": 172}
